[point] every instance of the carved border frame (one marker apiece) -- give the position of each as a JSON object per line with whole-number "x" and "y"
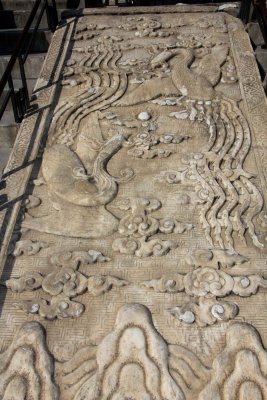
{"x": 142, "y": 10}
{"x": 254, "y": 100}
{"x": 31, "y": 133}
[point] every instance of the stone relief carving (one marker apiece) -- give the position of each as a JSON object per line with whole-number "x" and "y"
{"x": 193, "y": 71}
{"x": 208, "y": 282}
{"x": 27, "y": 368}
{"x": 59, "y": 307}
{"x": 205, "y": 284}
{"x": 214, "y": 258}
{"x": 28, "y": 247}
{"x": 144, "y": 145}
{"x": 205, "y": 311}
{"x": 141, "y": 248}
{"x": 138, "y": 226}
{"x": 245, "y": 375}
{"x": 63, "y": 284}
{"x": 73, "y": 258}
{"x": 74, "y": 169}
{"x": 231, "y": 200}
{"x": 133, "y": 349}
{"x": 226, "y": 181}
{"x": 77, "y": 192}
{"x": 176, "y": 100}
{"x": 29, "y": 281}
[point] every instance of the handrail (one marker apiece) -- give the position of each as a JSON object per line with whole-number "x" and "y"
{"x": 20, "y": 99}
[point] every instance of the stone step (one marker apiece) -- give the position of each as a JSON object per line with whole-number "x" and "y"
{"x": 17, "y": 85}
{"x": 7, "y": 139}
{"x": 9, "y": 38}
{"x": 32, "y": 66}
{"x": 255, "y": 34}
{"x": 8, "y": 117}
{"x": 261, "y": 55}
{"x": 28, "y": 4}
{"x": 10, "y": 19}
{"x": 8, "y": 135}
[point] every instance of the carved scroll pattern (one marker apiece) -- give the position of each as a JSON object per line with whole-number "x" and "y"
{"x": 255, "y": 98}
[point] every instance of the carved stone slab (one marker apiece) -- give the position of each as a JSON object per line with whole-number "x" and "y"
{"x": 133, "y": 242}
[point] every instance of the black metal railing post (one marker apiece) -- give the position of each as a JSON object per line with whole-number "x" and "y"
{"x": 17, "y": 117}
{"x": 51, "y": 13}
{"x": 20, "y": 98}
{"x": 26, "y": 100}
{"x": 244, "y": 13}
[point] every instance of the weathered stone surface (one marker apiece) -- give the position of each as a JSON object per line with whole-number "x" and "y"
{"x": 135, "y": 228}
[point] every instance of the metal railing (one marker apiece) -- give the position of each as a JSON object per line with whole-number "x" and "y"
{"x": 20, "y": 98}
{"x": 260, "y": 11}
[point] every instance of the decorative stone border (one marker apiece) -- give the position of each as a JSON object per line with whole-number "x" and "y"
{"x": 20, "y": 165}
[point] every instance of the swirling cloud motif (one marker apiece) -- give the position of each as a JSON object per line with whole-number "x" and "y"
{"x": 205, "y": 311}
{"x": 214, "y": 258}
{"x": 63, "y": 284}
{"x": 26, "y": 367}
{"x": 74, "y": 258}
{"x": 28, "y": 247}
{"x": 138, "y": 226}
{"x": 205, "y": 285}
